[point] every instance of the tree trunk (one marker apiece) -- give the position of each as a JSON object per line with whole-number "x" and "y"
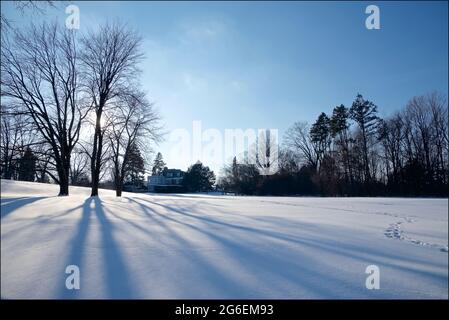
{"x": 365, "y": 156}
{"x": 8, "y": 172}
{"x": 63, "y": 183}
{"x": 64, "y": 174}
{"x": 119, "y": 186}
{"x": 63, "y": 187}
{"x": 95, "y": 182}
{"x": 96, "y": 158}
{"x": 94, "y": 189}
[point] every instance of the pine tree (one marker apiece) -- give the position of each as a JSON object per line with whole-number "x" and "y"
{"x": 158, "y": 165}
{"x": 339, "y": 120}
{"x": 198, "y": 178}
{"x": 136, "y": 166}
{"x": 339, "y": 126}
{"x": 364, "y": 113}
{"x": 320, "y": 135}
{"x": 27, "y": 166}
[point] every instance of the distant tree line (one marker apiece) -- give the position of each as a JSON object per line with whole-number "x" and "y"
{"x": 354, "y": 152}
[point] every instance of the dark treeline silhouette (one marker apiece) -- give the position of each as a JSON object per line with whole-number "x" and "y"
{"x": 354, "y": 152}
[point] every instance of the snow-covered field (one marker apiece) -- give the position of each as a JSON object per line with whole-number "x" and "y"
{"x": 199, "y": 246}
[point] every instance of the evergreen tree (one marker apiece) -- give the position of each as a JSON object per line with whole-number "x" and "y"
{"x": 158, "y": 165}
{"x": 320, "y": 135}
{"x": 339, "y": 125}
{"x": 198, "y": 178}
{"x": 136, "y": 166}
{"x": 27, "y": 166}
{"x": 364, "y": 113}
{"x": 339, "y": 120}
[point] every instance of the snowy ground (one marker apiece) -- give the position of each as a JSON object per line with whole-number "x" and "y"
{"x": 187, "y": 246}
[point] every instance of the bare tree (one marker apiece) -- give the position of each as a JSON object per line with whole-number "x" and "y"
{"x": 133, "y": 122}
{"x": 297, "y": 139}
{"x": 439, "y": 110}
{"x": 110, "y": 59}
{"x": 44, "y": 163}
{"x": 391, "y": 135}
{"x": 79, "y": 164}
{"x": 39, "y": 69}
{"x": 426, "y": 118}
{"x": 14, "y": 137}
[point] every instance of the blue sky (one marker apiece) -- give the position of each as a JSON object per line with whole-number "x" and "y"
{"x": 269, "y": 64}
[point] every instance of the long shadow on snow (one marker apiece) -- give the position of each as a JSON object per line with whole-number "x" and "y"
{"x": 8, "y": 205}
{"x": 349, "y": 250}
{"x": 117, "y": 280}
{"x": 209, "y": 273}
{"x": 278, "y": 267}
{"x": 221, "y": 282}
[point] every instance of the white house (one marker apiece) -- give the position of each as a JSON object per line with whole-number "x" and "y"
{"x": 169, "y": 181}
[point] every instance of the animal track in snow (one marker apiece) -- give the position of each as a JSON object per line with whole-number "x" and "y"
{"x": 394, "y": 231}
